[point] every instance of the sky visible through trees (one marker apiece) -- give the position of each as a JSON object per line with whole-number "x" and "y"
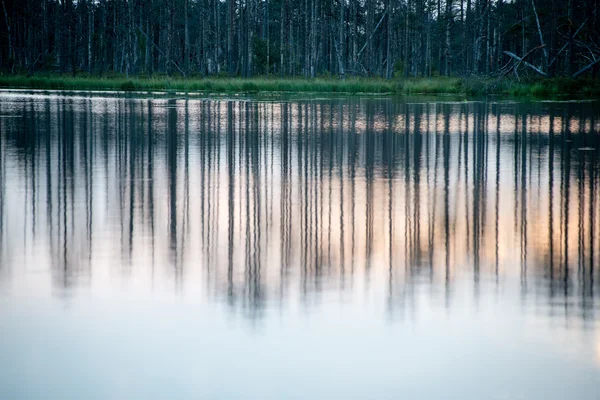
{"x": 385, "y": 38}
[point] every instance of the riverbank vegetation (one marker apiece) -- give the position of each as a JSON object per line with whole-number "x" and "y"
{"x": 438, "y": 85}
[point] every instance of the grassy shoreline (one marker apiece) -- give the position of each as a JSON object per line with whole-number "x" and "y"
{"x": 399, "y": 86}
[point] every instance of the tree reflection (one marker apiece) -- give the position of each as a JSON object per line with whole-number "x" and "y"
{"x": 262, "y": 201}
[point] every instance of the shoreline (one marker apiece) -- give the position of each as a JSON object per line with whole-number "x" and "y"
{"x": 556, "y": 87}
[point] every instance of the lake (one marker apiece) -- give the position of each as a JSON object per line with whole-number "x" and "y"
{"x": 310, "y": 248}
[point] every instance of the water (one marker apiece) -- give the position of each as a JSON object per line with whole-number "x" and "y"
{"x": 325, "y": 248}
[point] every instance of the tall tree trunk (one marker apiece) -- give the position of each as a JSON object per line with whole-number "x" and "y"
{"x": 306, "y": 40}
{"x": 45, "y": 30}
{"x": 498, "y": 39}
{"x": 313, "y": 38}
{"x": 201, "y": 44}
{"x": 342, "y": 40}
{"x": 115, "y": 41}
{"x": 440, "y": 20}
{"x": 186, "y": 44}
{"x": 282, "y": 36}
{"x": 369, "y": 31}
{"x": 388, "y": 44}
{"x": 148, "y": 50}
{"x": 230, "y": 31}
{"x": 169, "y": 45}
{"x": 90, "y": 36}
{"x": 267, "y": 36}
{"x": 354, "y": 34}
{"x": 406, "y": 41}
{"x": 9, "y": 34}
{"x": 569, "y": 55}
{"x": 488, "y": 38}
{"x": 478, "y": 38}
{"x": 250, "y": 37}
{"x": 217, "y": 39}
{"x": 539, "y": 28}
{"x": 467, "y": 36}
{"x": 449, "y": 22}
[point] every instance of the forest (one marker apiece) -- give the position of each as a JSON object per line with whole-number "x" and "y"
{"x": 308, "y": 38}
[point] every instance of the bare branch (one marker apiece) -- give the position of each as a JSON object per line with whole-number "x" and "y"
{"x": 372, "y": 33}
{"x": 521, "y": 60}
{"x": 160, "y": 51}
{"x": 584, "y": 69}
{"x": 575, "y": 34}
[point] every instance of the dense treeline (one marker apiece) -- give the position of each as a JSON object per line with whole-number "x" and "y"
{"x": 302, "y": 37}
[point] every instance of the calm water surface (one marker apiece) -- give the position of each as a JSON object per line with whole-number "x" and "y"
{"x": 315, "y": 249}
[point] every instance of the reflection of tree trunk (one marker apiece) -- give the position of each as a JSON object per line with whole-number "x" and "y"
{"x": 231, "y": 194}
{"x": 551, "y": 196}
{"x": 172, "y": 176}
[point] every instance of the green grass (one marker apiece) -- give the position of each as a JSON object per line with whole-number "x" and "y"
{"x": 220, "y": 85}
{"x": 438, "y": 85}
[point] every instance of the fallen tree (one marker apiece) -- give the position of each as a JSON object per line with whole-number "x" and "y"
{"x": 517, "y": 61}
